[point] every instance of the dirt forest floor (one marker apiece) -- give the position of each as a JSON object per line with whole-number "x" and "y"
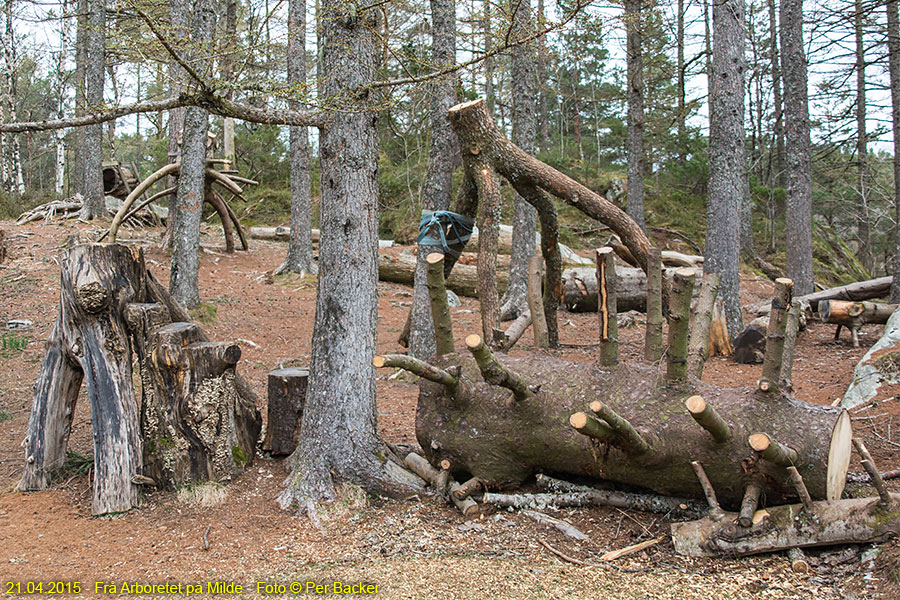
{"x": 413, "y": 548}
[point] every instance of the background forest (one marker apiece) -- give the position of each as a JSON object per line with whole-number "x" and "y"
{"x": 581, "y": 110}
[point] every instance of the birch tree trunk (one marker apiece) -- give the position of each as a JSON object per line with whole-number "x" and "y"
{"x": 183, "y": 282}
{"x": 60, "y": 179}
{"x": 635, "y": 127}
{"x": 299, "y": 258}
{"x": 338, "y": 431}
{"x": 16, "y": 180}
{"x": 893, "y": 24}
{"x": 77, "y": 173}
{"x": 726, "y": 156}
{"x": 524, "y": 72}
{"x": 94, "y": 72}
{"x": 797, "y": 148}
{"x": 442, "y": 157}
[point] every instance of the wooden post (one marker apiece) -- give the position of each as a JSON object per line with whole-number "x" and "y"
{"x": 440, "y": 309}
{"x": 698, "y": 344}
{"x": 679, "y": 312}
{"x": 653, "y": 339}
{"x": 771, "y": 371}
{"x": 536, "y": 302}
{"x": 287, "y": 394}
{"x": 606, "y": 303}
{"x": 790, "y": 345}
{"x": 488, "y": 227}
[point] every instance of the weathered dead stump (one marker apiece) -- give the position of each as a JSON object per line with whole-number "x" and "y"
{"x": 90, "y": 342}
{"x": 109, "y": 305}
{"x": 287, "y": 394}
{"x": 196, "y": 425}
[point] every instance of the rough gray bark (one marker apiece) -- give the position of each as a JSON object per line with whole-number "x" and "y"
{"x": 862, "y": 151}
{"x": 94, "y": 205}
{"x": 299, "y": 257}
{"x": 777, "y": 109}
{"x": 797, "y": 148}
{"x": 442, "y": 157}
{"x": 893, "y": 23}
{"x": 338, "y": 437}
{"x": 227, "y": 66}
{"x": 184, "y": 282}
{"x": 523, "y": 75}
{"x": 635, "y": 129}
{"x": 726, "y": 157}
{"x": 179, "y": 20}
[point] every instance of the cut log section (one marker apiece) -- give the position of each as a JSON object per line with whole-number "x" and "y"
{"x": 854, "y": 521}
{"x": 854, "y": 315}
{"x": 484, "y": 433}
{"x": 287, "y": 394}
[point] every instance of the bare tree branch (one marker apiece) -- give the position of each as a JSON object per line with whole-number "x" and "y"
{"x": 214, "y": 104}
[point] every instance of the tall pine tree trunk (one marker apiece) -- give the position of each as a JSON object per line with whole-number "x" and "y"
{"x": 441, "y": 160}
{"x": 727, "y": 160}
{"x": 862, "y": 151}
{"x": 77, "y": 173}
{"x": 338, "y": 436}
{"x": 299, "y": 257}
{"x": 635, "y": 95}
{"x": 777, "y": 109}
{"x": 183, "y": 281}
{"x": 893, "y": 23}
{"x": 179, "y": 19}
{"x": 523, "y": 74}
{"x": 227, "y": 62}
{"x": 95, "y": 72}
{"x": 798, "y": 166}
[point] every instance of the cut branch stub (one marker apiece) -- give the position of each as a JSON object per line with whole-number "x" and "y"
{"x": 772, "y": 450}
{"x": 440, "y": 308}
{"x": 586, "y": 425}
{"x": 653, "y": 340}
{"x": 625, "y": 433}
{"x": 606, "y": 303}
{"x": 494, "y": 372}
{"x": 750, "y": 502}
{"x": 707, "y": 417}
{"x": 715, "y": 511}
{"x": 679, "y": 313}
{"x": 771, "y": 372}
{"x": 419, "y": 367}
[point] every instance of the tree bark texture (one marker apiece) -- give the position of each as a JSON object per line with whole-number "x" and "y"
{"x": 727, "y": 160}
{"x": 299, "y": 257}
{"x": 107, "y": 300}
{"x": 196, "y": 424}
{"x": 893, "y": 27}
{"x": 484, "y": 432}
{"x": 338, "y": 432}
{"x": 442, "y": 158}
{"x": 184, "y": 280}
{"x": 77, "y": 172}
{"x": 94, "y": 205}
{"x": 180, "y": 23}
{"x": 862, "y": 150}
{"x": 777, "y": 179}
{"x": 90, "y": 342}
{"x": 287, "y": 394}
{"x": 524, "y": 91}
{"x": 798, "y": 167}
{"x": 634, "y": 143}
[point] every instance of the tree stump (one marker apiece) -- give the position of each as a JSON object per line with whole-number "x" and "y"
{"x": 109, "y": 305}
{"x": 287, "y": 393}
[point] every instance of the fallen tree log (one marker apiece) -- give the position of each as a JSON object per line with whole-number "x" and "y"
{"x": 502, "y": 419}
{"x": 823, "y": 523}
{"x": 853, "y": 292}
{"x": 109, "y": 305}
{"x": 580, "y": 288}
{"x": 854, "y": 315}
{"x": 400, "y": 268}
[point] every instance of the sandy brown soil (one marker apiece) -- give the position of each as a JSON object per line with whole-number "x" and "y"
{"x": 417, "y": 548}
